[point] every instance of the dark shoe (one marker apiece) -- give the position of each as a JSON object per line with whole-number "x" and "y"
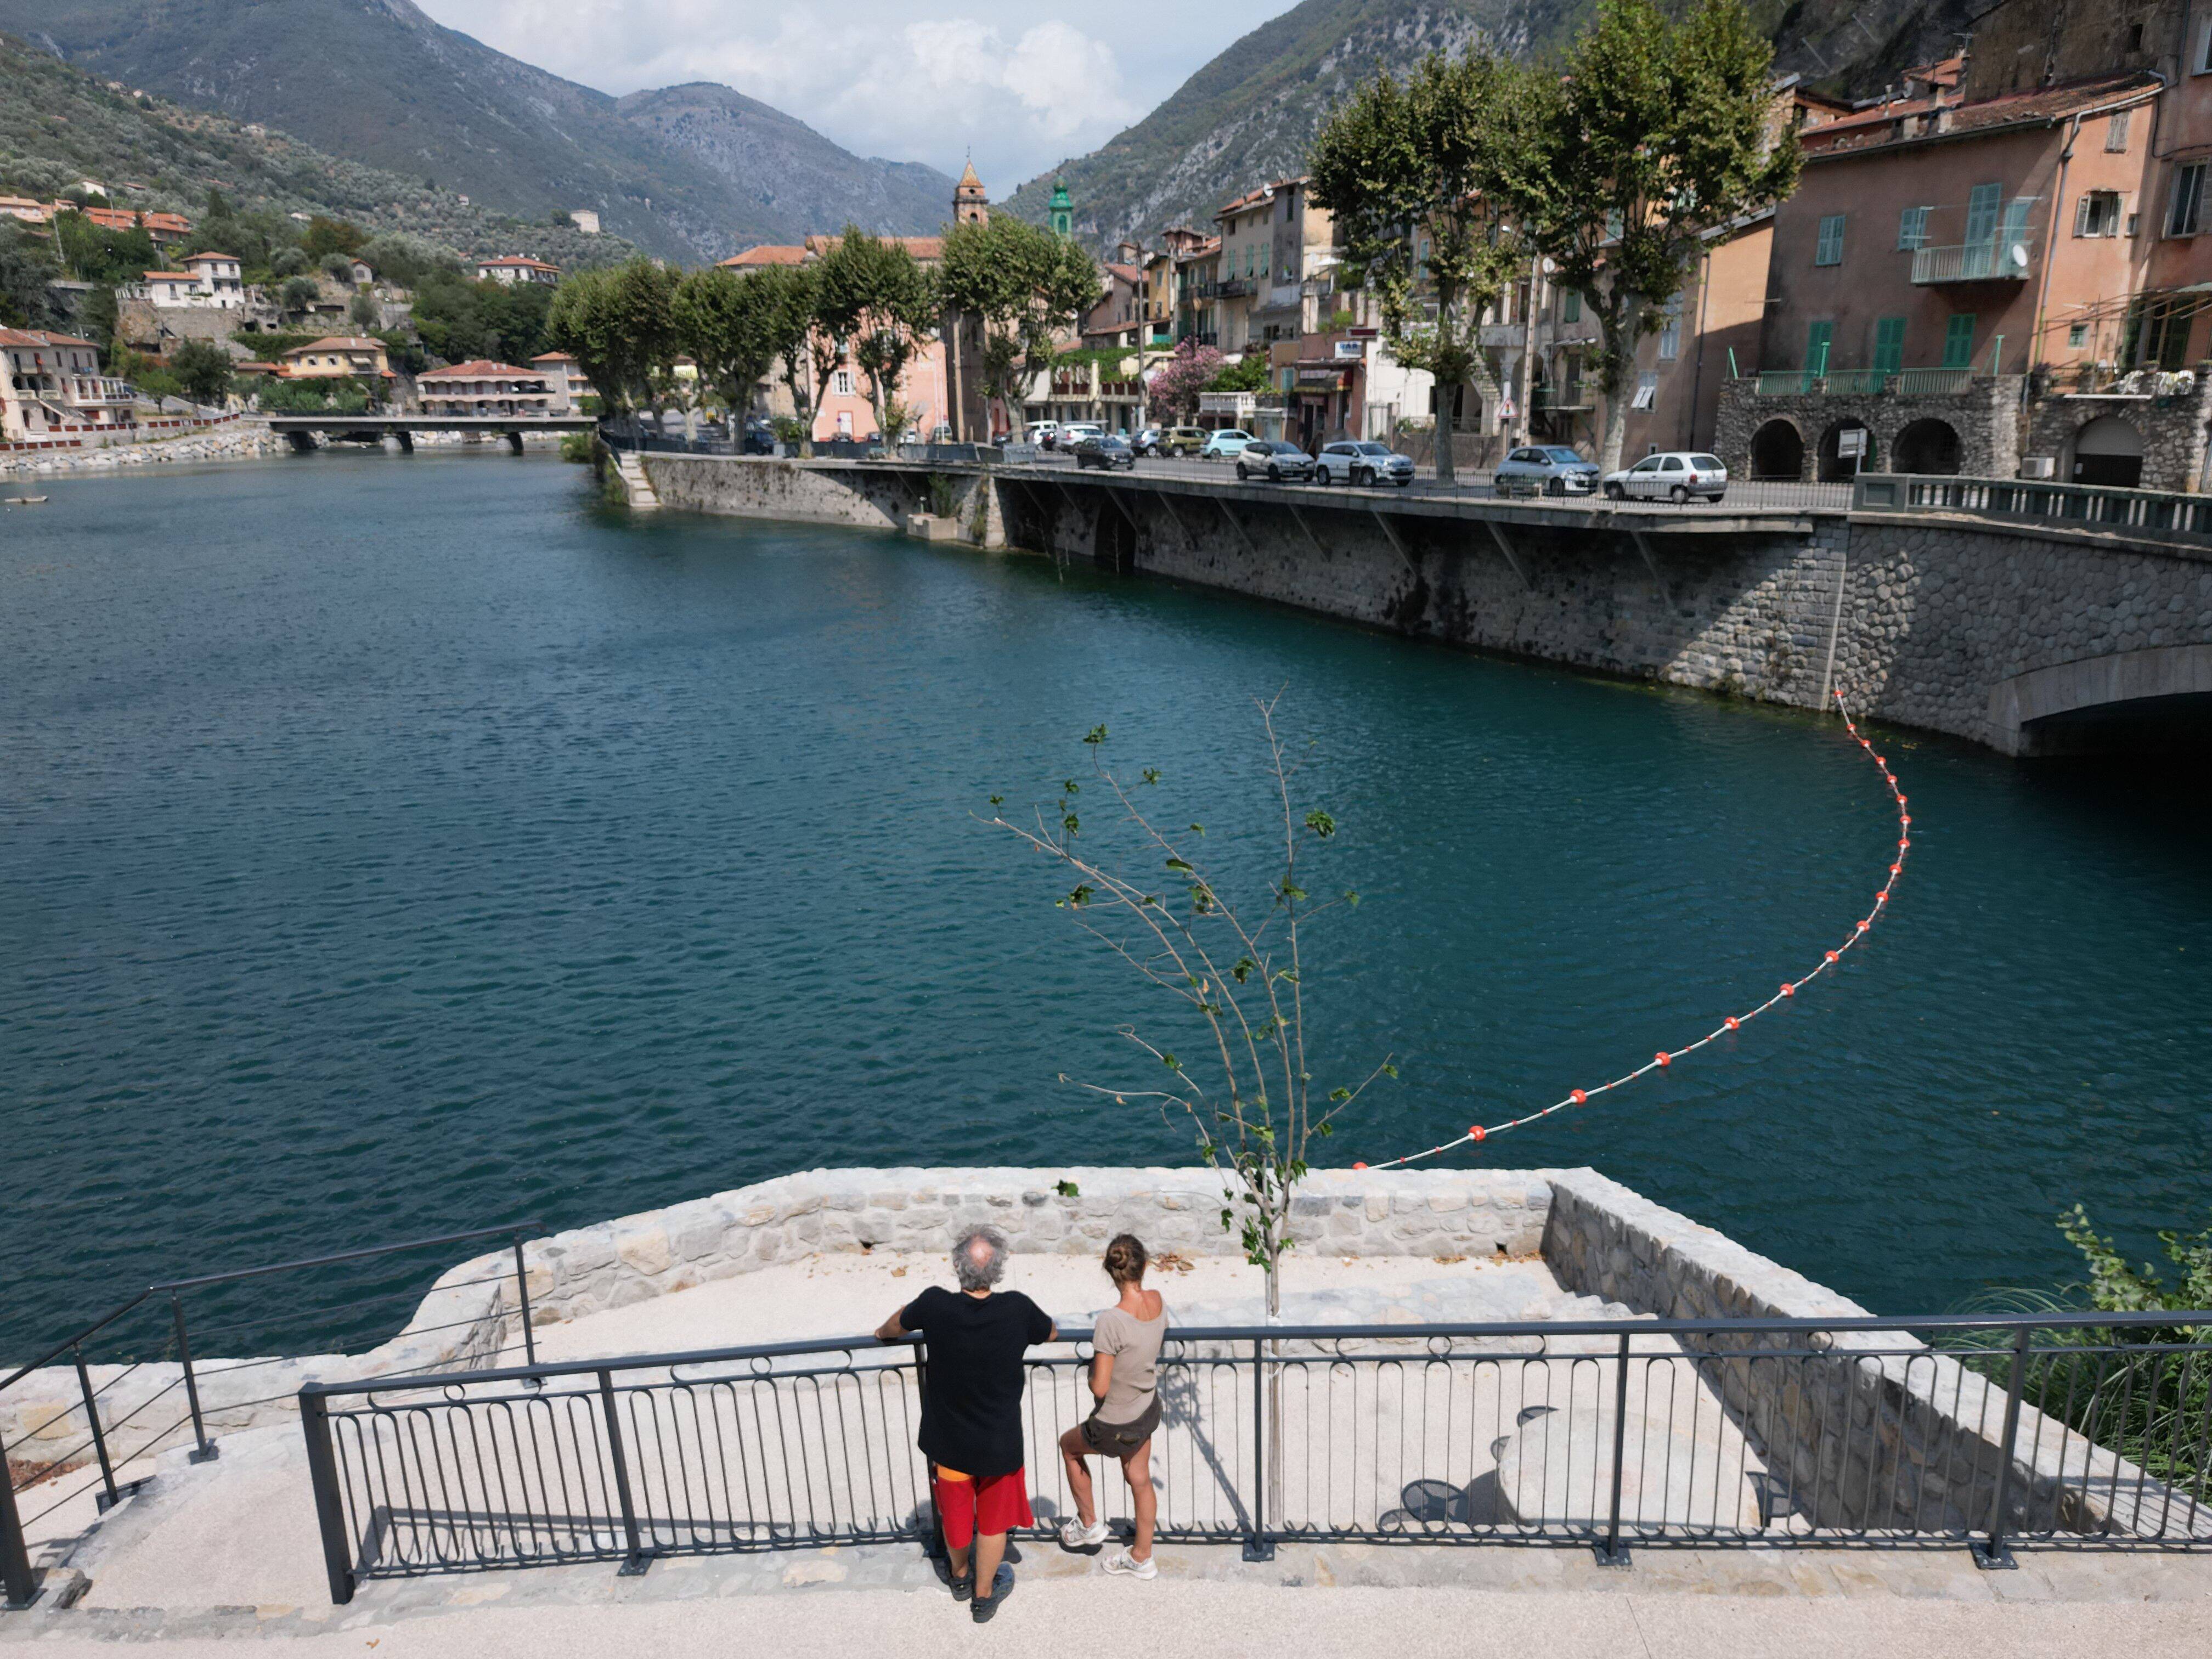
{"x": 985, "y": 1607}
{"x": 962, "y": 1588}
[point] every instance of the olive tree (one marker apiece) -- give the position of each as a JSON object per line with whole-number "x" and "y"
{"x": 1152, "y": 894}
{"x": 1024, "y": 286}
{"x": 1661, "y": 133}
{"x": 1412, "y": 172}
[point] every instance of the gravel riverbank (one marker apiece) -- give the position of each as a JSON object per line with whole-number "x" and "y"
{"x": 246, "y": 440}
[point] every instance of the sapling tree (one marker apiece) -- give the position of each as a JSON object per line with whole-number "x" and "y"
{"x": 1148, "y": 890}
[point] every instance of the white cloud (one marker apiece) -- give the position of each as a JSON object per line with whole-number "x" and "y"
{"x": 904, "y": 79}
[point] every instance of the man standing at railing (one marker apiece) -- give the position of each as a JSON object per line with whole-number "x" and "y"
{"x": 971, "y": 1411}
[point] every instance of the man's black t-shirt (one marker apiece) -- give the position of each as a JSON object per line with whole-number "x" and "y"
{"x": 971, "y": 1406}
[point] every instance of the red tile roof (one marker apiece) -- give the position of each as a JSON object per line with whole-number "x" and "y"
{"x": 2033, "y": 107}
{"x": 36, "y": 338}
{"x": 478, "y": 369}
{"x": 517, "y": 262}
{"x": 767, "y": 253}
{"x": 195, "y": 258}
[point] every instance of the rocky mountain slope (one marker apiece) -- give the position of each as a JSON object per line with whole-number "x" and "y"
{"x": 58, "y": 125}
{"x": 1249, "y": 115}
{"x": 378, "y": 82}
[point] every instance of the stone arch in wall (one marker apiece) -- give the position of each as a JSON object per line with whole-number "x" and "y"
{"x": 1927, "y": 446}
{"x": 1777, "y": 451}
{"x": 2107, "y": 702}
{"x": 1834, "y": 466}
{"x": 2106, "y": 451}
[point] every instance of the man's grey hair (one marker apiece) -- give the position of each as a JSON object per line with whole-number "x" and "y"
{"x": 979, "y": 1260}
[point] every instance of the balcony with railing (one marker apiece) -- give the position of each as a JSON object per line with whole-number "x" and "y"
{"x": 2002, "y": 259}
{"x": 1861, "y": 382}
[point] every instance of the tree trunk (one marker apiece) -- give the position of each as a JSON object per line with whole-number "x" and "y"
{"x": 1447, "y": 396}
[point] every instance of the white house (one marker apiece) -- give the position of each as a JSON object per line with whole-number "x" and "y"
{"x": 515, "y": 268}
{"x": 209, "y": 282}
{"x": 222, "y": 275}
{"x": 51, "y": 386}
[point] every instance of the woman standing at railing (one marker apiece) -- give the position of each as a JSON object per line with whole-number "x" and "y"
{"x": 1124, "y": 1375}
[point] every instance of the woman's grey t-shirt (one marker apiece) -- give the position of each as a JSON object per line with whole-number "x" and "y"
{"x": 1135, "y": 1345}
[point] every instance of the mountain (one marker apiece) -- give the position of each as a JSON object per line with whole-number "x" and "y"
{"x": 791, "y": 175}
{"x": 1250, "y": 114}
{"x": 58, "y": 125}
{"x": 379, "y": 83}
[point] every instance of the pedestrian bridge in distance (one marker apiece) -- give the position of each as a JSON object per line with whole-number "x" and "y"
{"x": 306, "y": 432}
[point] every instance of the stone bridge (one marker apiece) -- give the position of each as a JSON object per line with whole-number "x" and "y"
{"x": 306, "y": 432}
{"x": 2031, "y": 639}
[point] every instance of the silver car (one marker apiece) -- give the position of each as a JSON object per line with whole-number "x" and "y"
{"x": 1362, "y": 462}
{"x": 1672, "y": 475}
{"x": 1546, "y": 470}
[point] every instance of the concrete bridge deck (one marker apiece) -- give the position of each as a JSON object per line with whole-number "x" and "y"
{"x": 2032, "y": 638}
{"x": 303, "y": 430}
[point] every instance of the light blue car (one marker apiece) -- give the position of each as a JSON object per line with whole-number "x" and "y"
{"x": 1226, "y": 444}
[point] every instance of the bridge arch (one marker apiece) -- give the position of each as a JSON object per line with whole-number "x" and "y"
{"x": 2111, "y": 702}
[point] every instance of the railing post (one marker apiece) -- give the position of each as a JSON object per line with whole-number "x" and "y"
{"x": 204, "y": 1451}
{"x": 1993, "y": 1554}
{"x": 522, "y": 1295}
{"x": 109, "y": 1498}
{"x": 330, "y": 1505}
{"x": 18, "y": 1586}
{"x": 1257, "y": 1546}
{"x": 635, "y": 1561}
{"x": 1610, "y": 1553}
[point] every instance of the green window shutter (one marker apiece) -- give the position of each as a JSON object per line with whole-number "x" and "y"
{"x": 1958, "y": 341}
{"x": 1571, "y": 312}
{"x": 1982, "y": 203}
{"x": 1817, "y": 337}
{"x": 1889, "y": 346}
{"x": 1829, "y": 251}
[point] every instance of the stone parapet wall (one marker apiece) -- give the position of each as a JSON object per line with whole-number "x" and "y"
{"x": 828, "y": 492}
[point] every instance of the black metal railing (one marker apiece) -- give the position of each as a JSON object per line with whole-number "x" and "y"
{"x": 110, "y": 1424}
{"x": 1609, "y": 1435}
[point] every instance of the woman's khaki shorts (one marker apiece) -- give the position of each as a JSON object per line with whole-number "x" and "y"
{"x": 1122, "y": 1440}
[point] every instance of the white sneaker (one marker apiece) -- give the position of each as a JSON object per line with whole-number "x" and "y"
{"x": 1125, "y": 1565}
{"x": 1074, "y": 1535}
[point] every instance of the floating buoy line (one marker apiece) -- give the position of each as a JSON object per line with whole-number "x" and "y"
{"x": 1789, "y": 988}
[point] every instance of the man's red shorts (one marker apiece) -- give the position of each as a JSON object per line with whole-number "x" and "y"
{"x": 997, "y": 1504}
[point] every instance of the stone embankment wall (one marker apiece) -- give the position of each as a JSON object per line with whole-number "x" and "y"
{"x": 1924, "y": 620}
{"x": 243, "y": 440}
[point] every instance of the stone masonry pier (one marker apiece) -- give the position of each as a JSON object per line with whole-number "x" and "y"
{"x": 1927, "y": 619}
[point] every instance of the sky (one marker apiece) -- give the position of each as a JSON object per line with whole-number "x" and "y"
{"x": 1020, "y": 86}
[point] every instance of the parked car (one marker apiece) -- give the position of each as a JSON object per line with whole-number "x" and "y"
{"x": 1042, "y": 432}
{"x": 1275, "y": 460}
{"x": 1677, "y": 475}
{"x": 1546, "y": 470}
{"x": 1362, "y": 461}
{"x": 1147, "y": 441}
{"x": 1184, "y": 440}
{"x": 1105, "y": 450}
{"x": 1073, "y": 433}
{"x": 1228, "y": 441}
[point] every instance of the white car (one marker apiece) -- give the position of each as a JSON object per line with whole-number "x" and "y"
{"x": 1226, "y": 444}
{"x": 1075, "y": 432}
{"x": 1674, "y": 476}
{"x": 1360, "y": 461}
{"x": 1040, "y": 433}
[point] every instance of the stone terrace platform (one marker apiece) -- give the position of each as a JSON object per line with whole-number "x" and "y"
{"x": 203, "y": 1556}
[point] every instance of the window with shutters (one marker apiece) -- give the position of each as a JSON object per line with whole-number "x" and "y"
{"x": 1818, "y": 338}
{"x": 2187, "y": 206}
{"x": 842, "y": 383}
{"x": 1647, "y": 392}
{"x": 1670, "y": 331}
{"x": 2077, "y": 334}
{"x": 1888, "y": 344}
{"x": 1913, "y": 228}
{"x": 2097, "y": 213}
{"x": 2116, "y": 132}
{"x": 1571, "y": 306}
{"x": 1958, "y": 341}
{"x": 1829, "y": 249}
{"x": 2201, "y": 61}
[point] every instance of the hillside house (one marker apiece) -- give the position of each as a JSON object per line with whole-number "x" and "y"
{"x": 515, "y": 269}
{"x": 53, "y": 388}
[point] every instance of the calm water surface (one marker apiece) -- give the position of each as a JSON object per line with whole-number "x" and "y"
{"x": 393, "y": 845}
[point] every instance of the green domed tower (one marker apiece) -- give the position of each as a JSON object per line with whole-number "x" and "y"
{"x": 1063, "y": 210}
